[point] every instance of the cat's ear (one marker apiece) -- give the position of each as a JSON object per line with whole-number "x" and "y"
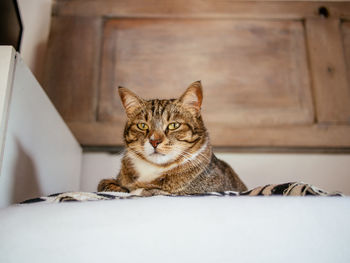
{"x": 130, "y": 100}
{"x": 192, "y": 98}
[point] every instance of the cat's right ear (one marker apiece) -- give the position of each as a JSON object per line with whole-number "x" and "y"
{"x": 130, "y": 100}
{"x": 192, "y": 98}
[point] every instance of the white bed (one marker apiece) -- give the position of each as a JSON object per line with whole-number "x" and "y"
{"x": 179, "y": 229}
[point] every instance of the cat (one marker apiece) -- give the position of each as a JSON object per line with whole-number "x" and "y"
{"x": 168, "y": 149}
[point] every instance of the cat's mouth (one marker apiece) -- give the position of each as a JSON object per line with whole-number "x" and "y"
{"x": 156, "y": 153}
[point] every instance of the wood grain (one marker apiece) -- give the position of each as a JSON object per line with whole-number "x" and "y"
{"x": 289, "y": 136}
{"x": 328, "y": 70}
{"x": 345, "y": 26}
{"x": 254, "y": 73}
{"x": 200, "y": 8}
{"x": 71, "y": 72}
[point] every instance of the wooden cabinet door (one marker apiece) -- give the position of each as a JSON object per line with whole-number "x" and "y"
{"x": 254, "y": 73}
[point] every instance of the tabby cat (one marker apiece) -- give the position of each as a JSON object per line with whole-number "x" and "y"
{"x": 168, "y": 149}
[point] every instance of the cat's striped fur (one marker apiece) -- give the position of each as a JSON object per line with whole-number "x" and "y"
{"x": 168, "y": 149}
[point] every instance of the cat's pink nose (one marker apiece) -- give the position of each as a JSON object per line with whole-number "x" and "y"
{"x": 155, "y": 143}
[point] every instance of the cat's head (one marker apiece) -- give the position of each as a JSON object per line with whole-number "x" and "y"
{"x": 163, "y": 131}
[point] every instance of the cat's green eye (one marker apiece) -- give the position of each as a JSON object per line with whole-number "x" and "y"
{"x": 173, "y": 126}
{"x": 142, "y": 126}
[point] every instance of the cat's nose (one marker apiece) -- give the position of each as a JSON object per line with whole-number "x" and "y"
{"x": 155, "y": 142}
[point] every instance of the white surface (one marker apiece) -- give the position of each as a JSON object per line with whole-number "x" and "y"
{"x": 166, "y": 229}
{"x": 36, "y": 18}
{"x": 41, "y": 156}
{"x": 7, "y": 61}
{"x": 330, "y": 172}
{"x": 98, "y": 166}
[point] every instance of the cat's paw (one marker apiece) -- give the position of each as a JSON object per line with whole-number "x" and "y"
{"x": 137, "y": 192}
{"x": 148, "y": 192}
{"x": 110, "y": 185}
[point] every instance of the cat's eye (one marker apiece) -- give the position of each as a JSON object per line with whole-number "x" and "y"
{"x": 173, "y": 126}
{"x": 142, "y": 126}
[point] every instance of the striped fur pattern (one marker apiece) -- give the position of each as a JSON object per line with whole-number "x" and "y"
{"x": 168, "y": 149}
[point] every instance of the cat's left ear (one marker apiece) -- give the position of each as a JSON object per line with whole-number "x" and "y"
{"x": 130, "y": 100}
{"x": 193, "y": 97}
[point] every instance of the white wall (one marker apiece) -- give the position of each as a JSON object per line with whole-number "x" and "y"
{"x": 41, "y": 156}
{"x": 36, "y": 17}
{"x": 330, "y": 172}
{"x": 98, "y": 166}
{"x": 7, "y": 63}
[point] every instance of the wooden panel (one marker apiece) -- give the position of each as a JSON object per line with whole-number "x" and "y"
{"x": 331, "y": 88}
{"x": 200, "y": 8}
{"x": 254, "y": 73}
{"x": 72, "y": 59}
{"x": 292, "y": 136}
{"x": 346, "y": 41}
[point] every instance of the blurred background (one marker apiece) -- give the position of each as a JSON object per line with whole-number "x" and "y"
{"x": 275, "y": 76}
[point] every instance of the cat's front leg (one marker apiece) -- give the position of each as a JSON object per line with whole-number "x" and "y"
{"x": 148, "y": 192}
{"x": 110, "y": 185}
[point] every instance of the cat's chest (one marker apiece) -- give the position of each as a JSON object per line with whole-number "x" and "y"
{"x": 147, "y": 172}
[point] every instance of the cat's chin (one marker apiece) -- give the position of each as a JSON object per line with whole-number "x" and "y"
{"x": 159, "y": 158}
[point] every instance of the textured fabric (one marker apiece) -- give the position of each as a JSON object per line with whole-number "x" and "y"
{"x": 287, "y": 189}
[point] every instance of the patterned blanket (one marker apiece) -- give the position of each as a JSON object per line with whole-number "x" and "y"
{"x": 286, "y": 189}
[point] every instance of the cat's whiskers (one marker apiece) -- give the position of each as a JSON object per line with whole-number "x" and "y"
{"x": 194, "y": 162}
{"x": 199, "y": 164}
{"x": 193, "y": 156}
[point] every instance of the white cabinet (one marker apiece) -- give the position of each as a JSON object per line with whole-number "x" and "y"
{"x": 40, "y": 156}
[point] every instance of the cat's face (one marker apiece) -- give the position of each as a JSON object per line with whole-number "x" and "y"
{"x": 163, "y": 131}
